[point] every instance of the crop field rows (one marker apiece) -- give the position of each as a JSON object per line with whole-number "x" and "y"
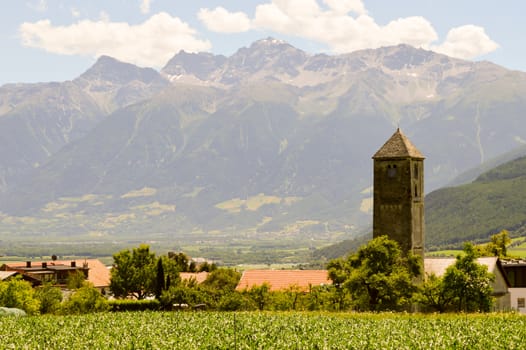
{"x": 268, "y": 330}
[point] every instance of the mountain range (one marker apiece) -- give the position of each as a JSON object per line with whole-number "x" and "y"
{"x": 270, "y": 146}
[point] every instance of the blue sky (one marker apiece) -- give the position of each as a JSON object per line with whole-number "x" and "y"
{"x": 57, "y": 40}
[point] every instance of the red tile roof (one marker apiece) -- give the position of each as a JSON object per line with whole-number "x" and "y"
{"x": 199, "y": 277}
{"x": 283, "y": 279}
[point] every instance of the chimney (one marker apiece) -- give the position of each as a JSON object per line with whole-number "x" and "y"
{"x": 73, "y": 263}
{"x": 28, "y": 263}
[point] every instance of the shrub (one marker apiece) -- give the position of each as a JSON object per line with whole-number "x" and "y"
{"x": 133, "y": 305}
{"x": 85, "y": 299}
{"x": 17, "y": 293}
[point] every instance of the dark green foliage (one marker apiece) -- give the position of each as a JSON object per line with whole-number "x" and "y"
{"x": 184, "y": 293}
{"x": 260, "y": 295}
{"x": 469, "y": 282}
{"x": 506, "y": 171}
{"x": 235, "y": 302}
{"x": 206, "y": 267}
{"x": 495, "y": 201}
{"x": 181, "y": 261}
{"x": 217, "y": 291}
{"x": 133, "y": 273}
{"x": 466, "y": 286}
{"x": 50, "y": 298}
{"x": 378, "y": 277}
{"x": 75, "y": 280}
{"x": 84, "y": 300}
{"x": 434, "y": 296}
{"x": 160, "y": 281}
{"x": 222, "y": 279}
{"x": 134, "y": 305}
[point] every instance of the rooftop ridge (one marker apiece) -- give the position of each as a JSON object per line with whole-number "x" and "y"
{"x": 398, "y": 146}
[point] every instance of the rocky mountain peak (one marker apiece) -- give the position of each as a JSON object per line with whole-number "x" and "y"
{"x": 114, "y": 71}
{"x": 265, "y": 58}
{"x": 200, "y": 64}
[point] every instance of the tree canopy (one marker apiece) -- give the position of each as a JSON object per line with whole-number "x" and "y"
{"x": 466, "y": 286}
{"x": 133, "y": 273}
{"x": 378, "y": 276}
{"x": 469, "y": 282}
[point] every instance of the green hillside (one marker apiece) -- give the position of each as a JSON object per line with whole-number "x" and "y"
{"x": 494, "y": 201}
{"x": 471, "y": 212}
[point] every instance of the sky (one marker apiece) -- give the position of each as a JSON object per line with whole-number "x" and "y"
{"x": 57, "y": 40}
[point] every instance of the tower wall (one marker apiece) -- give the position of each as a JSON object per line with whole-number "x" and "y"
{"x": 398, "y": 210}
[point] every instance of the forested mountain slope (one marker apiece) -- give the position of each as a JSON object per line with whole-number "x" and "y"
{"x": 475, "y": 211}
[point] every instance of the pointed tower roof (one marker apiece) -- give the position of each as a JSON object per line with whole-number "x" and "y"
{"x": 398, "y": 146}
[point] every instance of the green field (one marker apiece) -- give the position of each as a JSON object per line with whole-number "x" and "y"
{"x": 267, "y": 330}
{"x": 516, "y": 252}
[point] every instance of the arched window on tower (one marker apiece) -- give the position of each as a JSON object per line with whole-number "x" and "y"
{"x": 391, "y": 170}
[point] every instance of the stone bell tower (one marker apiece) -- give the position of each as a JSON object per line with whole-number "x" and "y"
{"x": 398, "y": 210}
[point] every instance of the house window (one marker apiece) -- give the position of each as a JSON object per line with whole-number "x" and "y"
{"x": 391, "y": 170}
{"x": 521, "y": 303}
{"x": 415, "y": 171}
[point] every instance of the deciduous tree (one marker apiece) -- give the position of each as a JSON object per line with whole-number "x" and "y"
{"x": 378, "y": 276}
{"x": 469, "y": 282}
{"x": 133, "y": 273}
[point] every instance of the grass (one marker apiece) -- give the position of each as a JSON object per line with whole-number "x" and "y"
{"x": 444, "y": 253}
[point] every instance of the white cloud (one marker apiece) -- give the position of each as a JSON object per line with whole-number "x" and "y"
{"x": 466, "y": 42}
{"x": 223, "y": 21}
{"x": 346, "y": 6}
{"x": 145, "y": 6}
{"x": 345, "y": 26}
{"x": 151, "y": 43}
{"x": 340, "y": 31}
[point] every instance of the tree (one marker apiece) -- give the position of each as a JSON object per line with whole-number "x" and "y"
{"x": 206, "y": 267}
{"x": 75, "y": 280}
{"x": 184, "y": 293}
{"x": 260, "y": 295}
{"x": 50, "y": 298}
{"x": 223, "y": 279}
{"x": 85, "y": 299}
{"x": 133, "y": 273}
{"x": 19, "y": 294}
{"x": 160, "y": 281}
{"x": 339, "y": 270}
{"x": 434, "y": 294}
{"x": 498, "y": 245}
{"x": 181, "y": 261}
{"x": 378, "y": 276}
{"x": 469, "y": 282}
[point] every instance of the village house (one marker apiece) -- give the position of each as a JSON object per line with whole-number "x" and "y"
{"x": 516, "y": 272}
{"x": 57, "y": 271}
